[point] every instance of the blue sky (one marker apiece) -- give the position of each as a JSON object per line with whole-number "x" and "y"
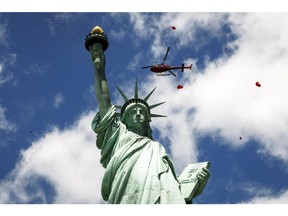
{"x": 47, "y": 100}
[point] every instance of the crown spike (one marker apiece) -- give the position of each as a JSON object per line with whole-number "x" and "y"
{"x": 136, "y": 90}
{"x": 147, "y": 97}
{"x": 156, "y": 115}
{"x": 122, "y": 94}
{"x": 155, "y": 105}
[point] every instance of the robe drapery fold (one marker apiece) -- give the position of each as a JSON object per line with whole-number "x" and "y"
{"x": 138, "y": 169}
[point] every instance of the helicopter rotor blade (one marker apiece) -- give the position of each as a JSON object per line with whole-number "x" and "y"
{"x": 172, "y": 73}
{"x": 166, "y": 55}
{"x": 147, "y": 67}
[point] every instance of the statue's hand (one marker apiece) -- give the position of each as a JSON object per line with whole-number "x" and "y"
{"x": 203, "y": 178}
{"x": 204, "y": 175}
{"x": 97, "y": 54}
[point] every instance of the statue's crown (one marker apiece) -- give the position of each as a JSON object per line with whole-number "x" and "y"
{"x": 137, "y": 100}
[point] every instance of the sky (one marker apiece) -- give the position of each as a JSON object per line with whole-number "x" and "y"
{"x": 47, "y": 100}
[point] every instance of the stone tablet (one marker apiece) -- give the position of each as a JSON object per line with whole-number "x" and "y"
{"x": 189, "y": 181}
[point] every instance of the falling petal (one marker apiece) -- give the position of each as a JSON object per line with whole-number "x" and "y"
{"x": 179, "y": 87}
{"x": 173, "y": 27}
{"x": 258, "y": 84}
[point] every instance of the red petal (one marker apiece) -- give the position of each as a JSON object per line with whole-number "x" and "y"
{"x": 258, "y": 84}
{"x": 173, "y": 27}
{"x": 179, "y": 87}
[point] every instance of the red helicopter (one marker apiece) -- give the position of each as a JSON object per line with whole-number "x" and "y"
{"x": 160, "y": 68}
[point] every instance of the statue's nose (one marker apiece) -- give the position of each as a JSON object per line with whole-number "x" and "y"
{"x": 138, "y": 112}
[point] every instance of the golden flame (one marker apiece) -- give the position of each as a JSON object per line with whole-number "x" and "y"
{"x": 97, "y": 30}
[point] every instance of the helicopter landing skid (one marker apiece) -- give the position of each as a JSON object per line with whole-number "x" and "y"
{"x": 167, "y": 74}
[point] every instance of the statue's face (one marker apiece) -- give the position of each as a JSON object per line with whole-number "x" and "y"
{"x": 136, "y": 118}
{"x": 137, "y": 114}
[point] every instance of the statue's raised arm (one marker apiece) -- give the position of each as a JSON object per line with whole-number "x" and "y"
{"x": 96, "y": 43}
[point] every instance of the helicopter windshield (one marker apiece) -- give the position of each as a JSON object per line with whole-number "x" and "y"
{"x": 159, "y": 66}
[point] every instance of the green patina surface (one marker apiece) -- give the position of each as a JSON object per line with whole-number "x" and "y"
{"x": 138, "y": 169}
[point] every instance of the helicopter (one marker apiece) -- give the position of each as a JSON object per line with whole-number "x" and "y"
{"x": 160, "y": 68}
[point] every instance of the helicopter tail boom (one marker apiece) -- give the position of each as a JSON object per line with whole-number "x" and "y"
{"x": 187, "y": 67}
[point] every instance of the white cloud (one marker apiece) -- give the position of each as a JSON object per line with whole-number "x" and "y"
{"x": 177, "y": 129}
{"x": 117, "y": 35}
{"x": 158, "y": 29}
{"x": 62, "y": 20}
{"x": 139, "y": 22}
{"x": 58, "y": 99}
{"x": 135, "y": 62}
{"x": 222, "y": 100}
{"x": 68, "y": 160}
{"x": 226, "y": 98}
{"x": 281, "y": 198}
{"x": 5, "y": 125}
{"x": 67, "y": 17}
{"x": 1, "y": 67}
{"x": 6, "y": 61}
{"x": 3, "y": 34}
{"x": 36, "y": 69}
{"x": 188, "y": 25}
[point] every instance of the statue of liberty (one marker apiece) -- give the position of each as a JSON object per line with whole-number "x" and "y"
{"x": 138, "y": 169}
